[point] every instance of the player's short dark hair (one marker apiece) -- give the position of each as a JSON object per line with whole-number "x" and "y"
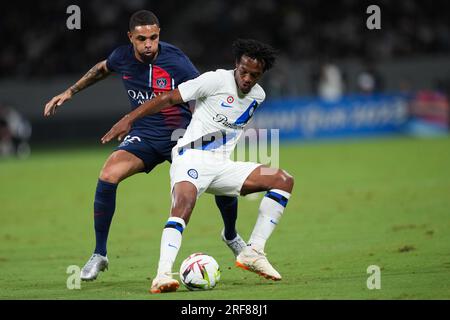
{"x": 255, "y": 50}
{"x": 143, "y": 18}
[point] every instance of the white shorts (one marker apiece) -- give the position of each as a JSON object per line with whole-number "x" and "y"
{"x": 210, "y": 173}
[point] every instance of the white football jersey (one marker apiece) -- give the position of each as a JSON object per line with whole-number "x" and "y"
{"x": 221, "y": 113}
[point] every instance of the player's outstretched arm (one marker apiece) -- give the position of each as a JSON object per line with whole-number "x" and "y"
{"x": 123, "y": 126}
{"x": 96, "y": 73}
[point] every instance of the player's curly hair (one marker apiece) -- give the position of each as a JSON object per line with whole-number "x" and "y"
{"x": 142, "y": 18}
{"x": 255, "y": 50}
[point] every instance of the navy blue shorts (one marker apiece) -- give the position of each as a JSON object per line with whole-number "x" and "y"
{"x": 151, "y": 152}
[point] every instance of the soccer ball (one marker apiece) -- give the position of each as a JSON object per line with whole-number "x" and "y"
{"x": 199, "y": 272}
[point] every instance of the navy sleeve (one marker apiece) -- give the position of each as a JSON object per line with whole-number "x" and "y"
{"x": 113, "y": 61}
{"x": 189, "y": 71}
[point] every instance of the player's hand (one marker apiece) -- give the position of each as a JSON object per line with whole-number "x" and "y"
{"x": 119, "y": 130}
{"x": 50, "y": 107}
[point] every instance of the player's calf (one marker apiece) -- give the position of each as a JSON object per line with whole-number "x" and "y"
{"x": 271, "y": 210}
{"x": 279, "y": 186}
{"x": 184, "y": 196}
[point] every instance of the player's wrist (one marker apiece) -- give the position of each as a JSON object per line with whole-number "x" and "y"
{"x": 132, "y": 116}
{"x": 128, "y": 118}
{"x": 72, "y": 90}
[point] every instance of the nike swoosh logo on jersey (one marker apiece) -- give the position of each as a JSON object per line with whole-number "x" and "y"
{"x": 226, "y": 105}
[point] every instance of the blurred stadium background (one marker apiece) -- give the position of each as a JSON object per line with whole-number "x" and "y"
{"x": 326, "y": 49}
{"x": 334, "y": 80}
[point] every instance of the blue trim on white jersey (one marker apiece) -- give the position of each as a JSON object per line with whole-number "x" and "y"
{"x": 243, "y": 119}
{"x": 208, "y": 142}
{"x": 218, "y": 143}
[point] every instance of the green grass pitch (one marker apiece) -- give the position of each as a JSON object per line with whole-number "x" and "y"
{"x": 383, "y": 202}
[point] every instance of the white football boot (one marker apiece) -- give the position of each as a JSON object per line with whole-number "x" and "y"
{"x": 256, "y": 261}
{"x": 236, "y": 245}
{"x": 93, "y": 267}
{"x": 164, "y": 283}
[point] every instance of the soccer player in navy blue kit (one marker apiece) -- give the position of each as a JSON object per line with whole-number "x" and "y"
{"x": 148, "y": 67}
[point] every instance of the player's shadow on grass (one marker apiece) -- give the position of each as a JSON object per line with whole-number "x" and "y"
{"x": 119, "y": 286}
{"x": 140, "y": 288}
{"x": 246, "y": 281}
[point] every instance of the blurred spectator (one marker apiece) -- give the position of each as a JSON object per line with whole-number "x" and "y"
{"x": 431, "y": 106}
{"x": 429, "y": 114}
{"x": 331, "y": 83}
{"x": 300, "y": 29}
{"x": 15, "y": 131}
{"x": 369, "y": 81}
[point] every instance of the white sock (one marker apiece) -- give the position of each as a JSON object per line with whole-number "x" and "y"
{"x": 170, "y": 244}
{"x": 270, "y": 211}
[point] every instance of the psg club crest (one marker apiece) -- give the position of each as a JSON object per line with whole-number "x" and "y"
{"x": 161, "y": 82}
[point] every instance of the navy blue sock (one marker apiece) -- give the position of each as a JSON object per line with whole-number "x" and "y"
{"x": 104, "y": 206}
{"x": 228, "y": 208}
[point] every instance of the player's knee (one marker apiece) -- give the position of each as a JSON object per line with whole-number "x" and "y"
{"x": 110, "y": 175}
{"x": 285, "y": 181}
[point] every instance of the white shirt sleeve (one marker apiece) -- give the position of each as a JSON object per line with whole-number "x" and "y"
{"x": 261, "y": 94}
{"x": 207, "y": 84}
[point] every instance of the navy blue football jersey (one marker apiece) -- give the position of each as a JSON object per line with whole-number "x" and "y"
{"x": 144, "y": 81}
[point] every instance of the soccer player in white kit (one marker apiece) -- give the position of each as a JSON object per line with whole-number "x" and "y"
{"x": 225, "y": 102}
